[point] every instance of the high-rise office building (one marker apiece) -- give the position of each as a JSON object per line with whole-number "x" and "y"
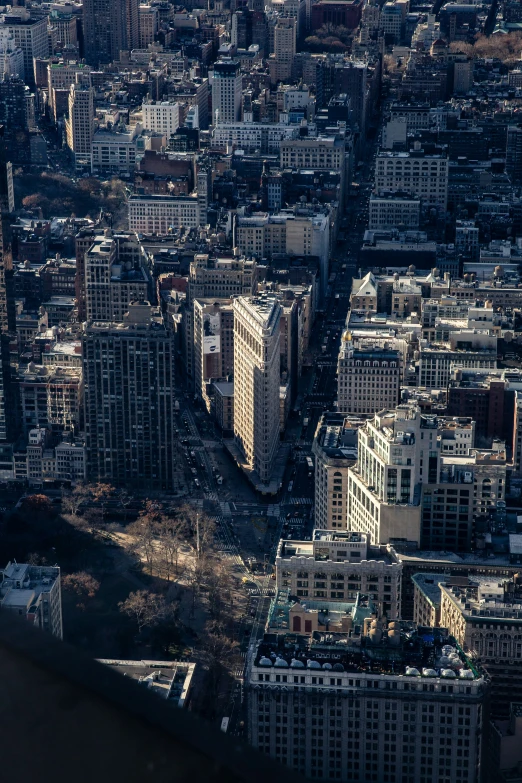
{"x": 129, "y": 400}
{"x": 226, "y": 91}
{"x": 30, "y": 34}
{"x": 335, "y": 450}
{"x": 285, "y": 35}
{"x": 13, "y": 116}
{"x": 256, "y": 383}
{"x": 80, "y": 122}
{"x": 413, "y": 481}
{"x": 115, "y": 275}
{"x": 8, "y": 398}
{"x": 514, "y": 152}
{"x": 110, "y": 27}
{"x": 400, "y": 703}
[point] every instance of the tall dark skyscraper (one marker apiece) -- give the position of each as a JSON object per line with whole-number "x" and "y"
{"x": 13, "y": 117}
{"x": 129, "y": 400}
{"x": 8, "y": 404}
{"x": 109, "y": 27}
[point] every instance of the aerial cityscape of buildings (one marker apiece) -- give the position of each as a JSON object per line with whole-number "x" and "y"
{"x": 261, "y": 264}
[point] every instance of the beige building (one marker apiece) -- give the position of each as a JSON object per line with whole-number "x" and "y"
{"x": 61, "y": 76}
{"x": 256, "y": 383}
{"x": 80, "y": 123}
{"x": 148, "y": 17}
{"x": 282, "y": 60}
{"x": 158, "y": 214}
{"x": 485, "y": 616}
{"x": 425, "y": 176}
{"x": 222, "y": 278}
{"x": 313, "y": 153}
{"x": 335, "y": 450}
{"x": 161, "y": 116}
{"x": 213, "y": 345}
{"x": 383, "y": 487}
{"x": 336, "y": 566}
{"x": 368, "y": 377}
{"x": 315, "y": 704}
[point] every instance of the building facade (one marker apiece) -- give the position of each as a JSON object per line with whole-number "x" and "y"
{"x": 129, "y": 401}
{"x": 337, "y": 566}
{"x": 368, "y": 379}
{"x": 315, "y": 707}
{"x": 256, "y": 382}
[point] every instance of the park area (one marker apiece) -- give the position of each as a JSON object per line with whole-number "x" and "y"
{"x": 147, "y": 583}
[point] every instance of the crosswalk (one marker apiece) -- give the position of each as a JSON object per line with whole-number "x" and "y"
{"x": 301, "y": 501}
{"x": 211, "y": 496}
{"x": 225, "y": 507}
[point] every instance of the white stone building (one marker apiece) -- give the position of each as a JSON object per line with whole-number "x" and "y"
{"x": 256, "y": 382}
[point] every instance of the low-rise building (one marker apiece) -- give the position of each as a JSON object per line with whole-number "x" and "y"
{"x": 336, "y": 566}
{"x": 33, "y": 592}
{"x": 170, "y": 680}
{"x": 390, "y": 210}
{"x": 485, "y": 616}
{"x": 157, "y": 214}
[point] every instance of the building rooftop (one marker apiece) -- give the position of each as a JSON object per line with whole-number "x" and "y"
{"x": 334, "y": 545}
{"x": 336, "y": 435}
{"x": 487, "y": 597}
{"x": 170, "y": 680}
{"x": 399, "y": 650}
{"x": 21, "y": 583}
{"x": 329, "y": 614}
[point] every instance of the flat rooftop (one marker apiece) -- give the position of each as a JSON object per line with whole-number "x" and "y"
{"x": 400, "y": 649}
{"x": 170, "y": 680}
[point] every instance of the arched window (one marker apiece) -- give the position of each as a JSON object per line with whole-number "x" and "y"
{"x": 296, "y": 623}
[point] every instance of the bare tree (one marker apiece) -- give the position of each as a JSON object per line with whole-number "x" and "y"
{"x": 101, "y": 493}
{"x": 200, "y": 529}
{"x": 83, "y": 585}
{"x": 146, "y": 530}
{"x": 143, "y": 606}
{"x": 73, "y": 501}
{"x": 170, "y": 535}
{"x": 125, "y": 499}
{"x": 219, "y": 588}
{"x": 219, "y": 651}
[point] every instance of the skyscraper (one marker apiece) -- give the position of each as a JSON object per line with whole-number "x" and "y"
{"x": 226, "y": 91}
{"x": 110, "y": 27}
{"x": 80, "y": 123}
{"x": 129, "y": 400}
{"x": 13, "y": 116}
{"x": 256, "y": 383}
{"x": 8, "y": 399}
